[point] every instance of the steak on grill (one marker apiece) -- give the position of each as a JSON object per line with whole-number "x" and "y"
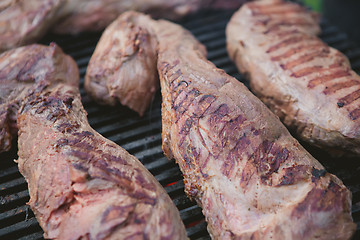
{"x": 81, "y": 185}
{"x": 252, "y": 179}
{"x": 24, "y": 21}
{"x": 308, "y": 84}
{"x": 22, "y": 70}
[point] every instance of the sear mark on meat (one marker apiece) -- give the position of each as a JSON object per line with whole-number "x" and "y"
{"x": 75, "y": 176}
{"x": 252, "y": 179}
{"x": 308, "y": 84}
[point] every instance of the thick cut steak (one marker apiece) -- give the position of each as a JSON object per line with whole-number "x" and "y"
{"x": 308, "y": 84}
{"x": 252, "y": 179}
{"x": 81, "y": 185}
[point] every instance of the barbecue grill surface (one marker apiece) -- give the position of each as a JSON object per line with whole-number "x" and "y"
{"x": 142, "y": 136}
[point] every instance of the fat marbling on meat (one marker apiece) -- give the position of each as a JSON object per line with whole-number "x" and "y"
{"x": 308, "y": 84}
{"x": 252, "y": 179}
{"x": 81, "y": 185}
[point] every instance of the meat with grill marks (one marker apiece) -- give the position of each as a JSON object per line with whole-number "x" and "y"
{"x": 308, "y": 84}
{"x": 23, "y": 21}
{"x": 252, "y": 179}
{"x": 22, "y": 70}
{"x": 81, "y": 185}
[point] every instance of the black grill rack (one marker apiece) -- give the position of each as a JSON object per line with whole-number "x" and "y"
{"x": 142, "y": 136}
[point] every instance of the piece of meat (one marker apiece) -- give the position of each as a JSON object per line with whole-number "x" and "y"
{"x": 23, "y": 70}
{"x": 123, "y": 68}
{"x": 23, "y": 21}
{"x": 95, "y": 15}
{"x": 81, "y": 185}
{"x": 308, "y": 84}
{"x": 252, "y": 179}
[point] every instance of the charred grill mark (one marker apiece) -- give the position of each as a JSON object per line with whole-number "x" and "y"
{"x": 145, "y": 198}
{"x": 165, "y": 67}
{"x": 306, "y": 58}
{"x": 203, "y": 104}
{"x": 338, "y": 86}
{"x": 349, "y": 98}
{"x": 267, "y": 159}
{"x": 295, "y": 174}
{"x": 174, "y": 76}
{"x": 234, "y": 155}
{"x": 82, "y": 155}
{"x": 67, "y": 127}
{"x": 181, "y": 104}
{"x": 185, "y": 129}
{"x": 247, "y": 174}
{"x": 285, "y": 23}
{"x": 306, "y": 71}
{"x": 317, "y": 174}
{"x": 24, "y": 74}
{"x": 355, "y": 114}
{"x": 296, "y": 50}
{"x": 177, "y": 88}
{"x": 113, "y": 212}
{"x": 329, "y": 77}
{"x": 80, "y": 167}
{"x": 187, "y": 126}
{"x": 221, "y": 111}
{"x": 280, "y": 32}
{"x": 288, "y": 42}
{"x": 322, "y": 200}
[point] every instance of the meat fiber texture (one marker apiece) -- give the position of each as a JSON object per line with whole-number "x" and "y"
{"x": 308, "y": 84}
{"x": 23, "y": 21}
{"x": 252, "y": 179}
{"x": 81, "y": 185}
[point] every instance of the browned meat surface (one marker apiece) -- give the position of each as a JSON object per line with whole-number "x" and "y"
{"x": 23, "y": 70}
{"x": 81, "y": 185}
{"x": 24, "y": 21}
{"x": 308, "y": 84}
{"x": 250, "y": 176}
{"x": 123, "y": 66}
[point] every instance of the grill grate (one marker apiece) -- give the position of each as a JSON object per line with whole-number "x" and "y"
{"x": 142, "y": 136}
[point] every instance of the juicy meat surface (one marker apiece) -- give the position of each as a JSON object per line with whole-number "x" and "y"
{"x": 308, "y": 84}
{"x": 24, "y": 21}
{"x": 252, "y": 179}
{"x": 22, "y": 70}
{"x": 81, "y": 185}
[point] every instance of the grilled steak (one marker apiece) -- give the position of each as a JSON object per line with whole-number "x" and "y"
{"x": 81, "y": 185}
{"x": 308, "y": 84}
{"x": 250, "y": 176}
{"x": 22, "y": 70}
{"x": 24, "y": 21}
{"x": 123, "y": 66}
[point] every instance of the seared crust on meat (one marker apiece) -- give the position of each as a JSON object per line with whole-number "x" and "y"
{"x": 81, "y": 185}
{"x": 308, "y": 84}
{"x": 250, "y": 176}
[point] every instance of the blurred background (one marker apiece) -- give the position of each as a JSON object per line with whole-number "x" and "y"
{"x": 345, "y": 14}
